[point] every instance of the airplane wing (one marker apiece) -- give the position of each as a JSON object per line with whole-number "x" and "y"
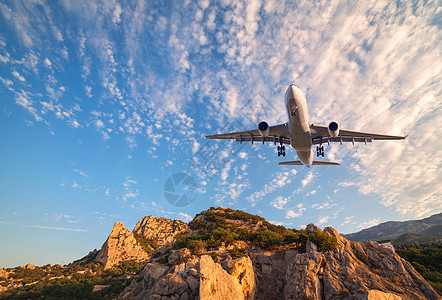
{"x": 320, "y": 135}
{"x": 315, "y": 162}
{"x": 277, "y": 134}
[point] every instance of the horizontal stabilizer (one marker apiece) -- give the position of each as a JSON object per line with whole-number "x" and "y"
{"x": 318, "y": 163}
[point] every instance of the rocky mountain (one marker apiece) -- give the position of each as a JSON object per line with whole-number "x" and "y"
{"x": 392, "y": 230}
{"x": 121, "y": 245}
{"x": 229, "y": 254}
{"x": 149, "y": 234}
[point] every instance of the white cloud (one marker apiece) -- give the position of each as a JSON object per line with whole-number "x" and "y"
{"x": 295, "y": 213}
{"x": 280, "y": 179}
{"x": 370, "y": 223}
{"x": 279, "y": 202}
{"x": 308, "y": 178}
{"x": 323, "y": 220}
{"x": 18, "y": 76}
{"x": 76, "y": 185}
{"x": 47, "y": 62}
{"x": 80, "y": 172}
{"x": 99, "y": 124}
{"x": 55, "y": 228}
{"x": 117, "y": 13}
{"x": 185, "y": 217}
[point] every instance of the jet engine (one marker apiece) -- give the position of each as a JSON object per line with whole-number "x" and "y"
{"x": 333, "y": 129}
{"x": 263, "y": 129}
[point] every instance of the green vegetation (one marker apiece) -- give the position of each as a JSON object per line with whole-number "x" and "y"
{"x": 72, "y": 282}
{"x": 426, "y": 259}
{"x": 219, "y": 226}
{"x": 238, "y": 252}
{"x": 324, "y": 241}
{"x": 148, "y": 245}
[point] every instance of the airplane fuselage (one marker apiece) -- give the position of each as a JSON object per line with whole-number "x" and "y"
{"x": 299, "y": 124}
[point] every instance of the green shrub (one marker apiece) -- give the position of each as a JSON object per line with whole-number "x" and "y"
{"x": 324, "y": 241}
{"x": 238, "y": 252}
{"x": 196, "y": 247}
{"x": 268, "y": 238}
{"x": 362, "y": 257}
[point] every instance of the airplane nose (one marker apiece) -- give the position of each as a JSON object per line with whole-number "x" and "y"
{"x": 289, "y": 93}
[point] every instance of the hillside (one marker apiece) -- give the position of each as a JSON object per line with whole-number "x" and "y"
{"x": 393, "y": 230}
{"x": 224, "y": 254}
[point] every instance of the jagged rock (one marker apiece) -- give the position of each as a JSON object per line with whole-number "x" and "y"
{"x": 311, "y": 228}
{"x": 354, "y": 271}
{"x": 92, "y": 255}
{"x": 216, "y": 283}
{"x": 178, "y": 255}
{"x": 30, "y": 267}
{"x": 184, "y": 296}
{"x": 302, "y": 281}
{"x": 378, "y": 295}
{"x": 121, "y": 245}
{"x": 310, "y": 247}
{"x": 242, "y": 269}
{"x": 161, "y": 230}
{"x": 141, "y": 288}
{"x": 170, "y": 284}
{"x": 4, "y": 273}
{"x": 192, "y": 282}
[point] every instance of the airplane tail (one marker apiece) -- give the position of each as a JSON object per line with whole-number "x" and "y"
{"x": 318, "y": 163}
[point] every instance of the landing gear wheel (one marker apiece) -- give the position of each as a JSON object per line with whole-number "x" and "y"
{"x": 320, "y": 151}
{"x": 281, "y": 150}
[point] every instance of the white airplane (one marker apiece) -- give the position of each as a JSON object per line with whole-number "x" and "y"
{"x": 301, "y": 134}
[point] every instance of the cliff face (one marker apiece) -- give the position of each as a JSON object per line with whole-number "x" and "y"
{"x": 210, "y": 270}
{"x": 198, "y": 278}
{"x": 121, "y": 245}
{"x": 160, "y": 230}
{"x": 354, "y": 271}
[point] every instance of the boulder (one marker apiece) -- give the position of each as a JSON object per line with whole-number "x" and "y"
{"x": 242, "y": 270}
{"x": 216, "y": 283}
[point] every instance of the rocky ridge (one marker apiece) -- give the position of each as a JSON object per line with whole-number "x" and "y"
{"x": 393, "y": 229}
{"x": 149, "y": 234}
{"x": 161, "y": 231}
{"x": 121, "y": 245}
{"x": 323, "y": 266}
{"x": 228, "y": 254}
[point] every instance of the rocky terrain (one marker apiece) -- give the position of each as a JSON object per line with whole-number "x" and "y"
{"x": 228, "y": 254}
{"x": 324, "y": 265}
{"x": 424, "y": 229}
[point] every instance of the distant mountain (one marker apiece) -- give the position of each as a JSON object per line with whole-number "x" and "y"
{"x": 410, "y": 238}
{"x": 430, "y": 227}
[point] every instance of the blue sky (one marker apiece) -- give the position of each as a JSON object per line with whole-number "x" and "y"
{"x": 102, "y": 101}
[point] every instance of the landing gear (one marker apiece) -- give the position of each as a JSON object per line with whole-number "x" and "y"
{"x": 320, "y": 151}
{"x": 281, "y": 150}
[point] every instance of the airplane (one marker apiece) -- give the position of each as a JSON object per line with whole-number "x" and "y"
{"x": 302, "y": 135}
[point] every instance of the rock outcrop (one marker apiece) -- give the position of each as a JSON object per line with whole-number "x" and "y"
{"x": 350, "y": 270}
{"x": 121, "y": 245}
{"x": 216, "y": 283}
{"x": 207, "y": 260}
{"x": 354, "y": 271}
{"x": 199, "y": 278}
{"x": 160, "y": 230}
